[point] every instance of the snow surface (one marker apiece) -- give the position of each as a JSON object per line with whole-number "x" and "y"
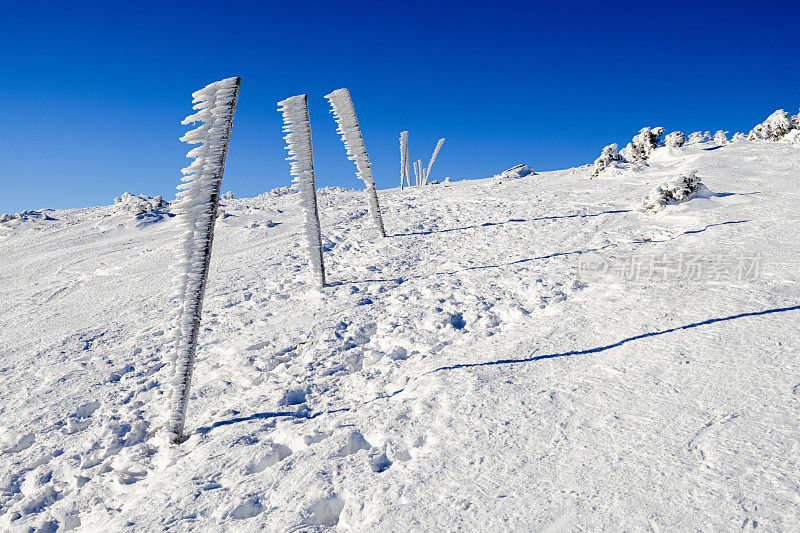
{"x": 457, "y": 375}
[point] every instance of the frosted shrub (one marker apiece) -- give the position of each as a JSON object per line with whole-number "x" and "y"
{"x": 676, "y": 139}
{"x": 643, "y": 144}
{"x": 698, "y": 137}
{"x": 793, "y": 137}
{"x": 720, "y": 137}
{"x": 138, "y": 205}
{"x": 228, "y": 196}
{"x": 675, "y": 190}
{"x": 774, "y": 128}
{"x": 608, "y": 157}
{"x": 738, "y": 136}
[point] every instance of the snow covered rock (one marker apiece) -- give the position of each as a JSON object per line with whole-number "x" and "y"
{"x": 674, "y": 190}
{"x": 608, "y": 157}
{"x": 643, "y": 144}
{"x": 518, "y": 171}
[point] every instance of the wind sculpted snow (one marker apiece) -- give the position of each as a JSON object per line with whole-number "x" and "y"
{"x": 461, "y": 374}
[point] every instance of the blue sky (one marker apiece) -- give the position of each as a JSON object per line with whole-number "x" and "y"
{"x": 94, "y": 92}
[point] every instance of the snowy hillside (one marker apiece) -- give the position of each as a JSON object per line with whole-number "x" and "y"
{"x": 529, "y": 353}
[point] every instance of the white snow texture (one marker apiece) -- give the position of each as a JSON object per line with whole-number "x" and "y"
{"x": 197, "y": 204}
{"x": 297, "y": 125}
{"x": 347, "y": 126}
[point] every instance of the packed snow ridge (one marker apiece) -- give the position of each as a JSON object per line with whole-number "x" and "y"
{"x": 526, "y": 354}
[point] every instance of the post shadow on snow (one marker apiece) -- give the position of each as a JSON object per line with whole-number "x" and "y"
{"x": 301, "y": 414}
{"x": 307, "y": 415}
{"x": 488, "y": 224}
{"x": 618, "y": 343}
{"x": 538, "y": 258}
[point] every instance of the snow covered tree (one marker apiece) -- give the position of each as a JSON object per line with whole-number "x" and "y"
{"x": 404, "y": 168}
{"x": 738, "y": 136}
{"x": 347, "y": 126}
{"x": 608, "y": 156}
{"x": 198, "y": 201}
{"x": 697, "y": 137}
{"x": 643, "y": 144}
{"x": 297, "y": 126}
{"x": 676, "y": 139}
{"x": 774, "y": 127}
{"x": 674, "y": 191}
{"x": 427, "y": 172}
{"x": 720, "y": 137}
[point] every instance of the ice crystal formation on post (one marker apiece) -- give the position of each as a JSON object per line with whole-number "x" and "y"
{"x": 297, "y": 126}
{"x": 347, "y": 126}
{"x": 197, "y": 204}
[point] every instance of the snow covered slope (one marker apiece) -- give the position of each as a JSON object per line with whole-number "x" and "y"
{"x": 457, "y": 375}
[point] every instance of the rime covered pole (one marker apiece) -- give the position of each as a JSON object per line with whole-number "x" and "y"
{"x": 433, "y": 160}
{"x": 404, "y": 159}
{"x": 297, "y": 126}
{"x": 347, "y": 126}
{"x": 197, "y": 204}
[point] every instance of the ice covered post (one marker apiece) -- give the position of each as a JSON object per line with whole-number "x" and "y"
{"x": 433, "y": 160}
{"x": 197, "y": 204}
{"x": 297, "y": 126}
{"x": 404, "y": 177}
{"x": 347, "y": 125}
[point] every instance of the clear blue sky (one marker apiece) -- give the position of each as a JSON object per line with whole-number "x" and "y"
{"x": 94, "y": 92}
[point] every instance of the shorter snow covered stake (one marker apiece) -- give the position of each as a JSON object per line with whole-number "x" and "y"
{"x": 197, "y": 205}
{"x": 297, "y": 125}
{"x": 347, "y": 125}
{"x": 433, "y": 160}
{"x": 404, "y": 168}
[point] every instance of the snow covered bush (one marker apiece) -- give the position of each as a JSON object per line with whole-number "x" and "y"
{"x": 198, "y": 202}
{"x": 674, "y": 191}
{"x": 228, "y": 196}
{"x": 698, "y": 137}
{"x": 738, "y": 136}
{"x": 607, "y": 158}
{"x": 642, "y": 145}
{"x": 517, "y": 171}
{"x": 775, "y": 127}
{"x": 676, "y": 139}
{"x": 793, "y": 137}
{"x": 26, "y": 215}
{"x": 138, "y": 205}
{"x": 720, "y": 137}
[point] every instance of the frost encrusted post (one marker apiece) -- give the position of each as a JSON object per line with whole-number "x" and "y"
{"x": 433, "y": 160}
{"x": 404, "y": 170}
{"x": 297, "y": 125}
{"x": 197, "y": 204}
{"x": 347, "y": 126}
